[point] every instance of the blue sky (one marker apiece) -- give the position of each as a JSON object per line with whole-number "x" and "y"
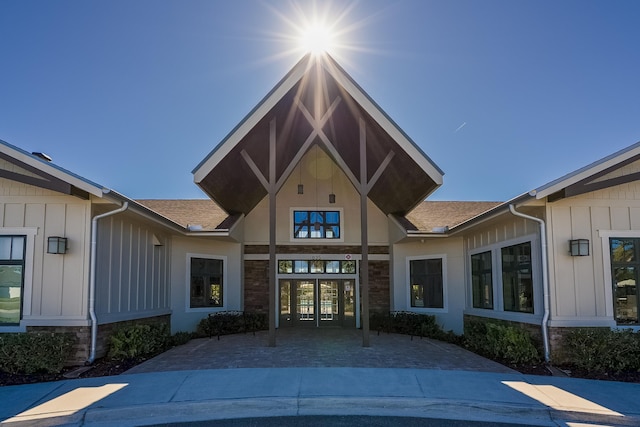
{"x": 503, "y": 95}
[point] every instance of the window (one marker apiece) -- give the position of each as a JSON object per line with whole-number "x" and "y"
{"x": 426, "y": 283}
{"x": 206, "y": 287}
{"x": 316, "y": 224}
{"x": 301, "y": 266}
{"x": 625, "y": 265}
{"x": 482, "y": 280}
{"x": 517, "y": 283}
{"x": 12, "y": 250}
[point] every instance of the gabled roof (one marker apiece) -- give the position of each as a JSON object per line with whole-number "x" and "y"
{"x": 35, "y": 170}
{"x": 584, "y": 179}
{"x": 320, "y": 86}
{"x": 588, "y": 178}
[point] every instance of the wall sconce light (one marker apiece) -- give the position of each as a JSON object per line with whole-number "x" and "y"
{"x": 332, "y": 198}
{"x": 300, "y": 189}
{"x": 57, "y": 245}
{"x": 579, "y": 247}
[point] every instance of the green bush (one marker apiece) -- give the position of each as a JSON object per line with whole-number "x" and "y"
{"x": 603, "y": 350}
{"x": 408, "y": 323}
{"x": 232, "y": 322}
{"x": 139, "y": 341}
{"x": 501, "y": 342}
{"x": 28, "y": 353}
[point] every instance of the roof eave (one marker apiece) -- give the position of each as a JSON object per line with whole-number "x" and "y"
{"x": 586, "y": 171}
{"x": 52, "y": 169}
{"x": 251, "y": 120}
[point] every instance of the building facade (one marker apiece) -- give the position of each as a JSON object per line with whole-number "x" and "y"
{"x": 317, "y": 217}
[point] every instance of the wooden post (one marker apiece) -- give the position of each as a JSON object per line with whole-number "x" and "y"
{"x": 364, "y": 264}
{"x": 272, "y": 234}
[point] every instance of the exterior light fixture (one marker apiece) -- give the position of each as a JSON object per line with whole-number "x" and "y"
{"x": 300, "y": 189}
{"x": 332, "y": 198}
{"x": 57, "y": 245}
{"x": 579, "y": 247}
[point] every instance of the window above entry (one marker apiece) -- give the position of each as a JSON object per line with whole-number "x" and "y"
{"x": 316, "y": 224}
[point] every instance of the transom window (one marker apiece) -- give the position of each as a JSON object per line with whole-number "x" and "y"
{"x": 12, "y": 250}
{"x": 625, "y": 266}
{"x": 316, "y": 224}
{"x": 303, "y": 266}
{"x": 206, "y": 287}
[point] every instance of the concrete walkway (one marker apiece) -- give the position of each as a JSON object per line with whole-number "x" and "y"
{"x": 194, "y": 392}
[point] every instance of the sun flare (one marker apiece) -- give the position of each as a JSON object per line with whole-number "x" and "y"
{"x": 316, "y": 27}
{"x": 316, "y": 39}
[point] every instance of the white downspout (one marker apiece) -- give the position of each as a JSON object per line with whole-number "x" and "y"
{"x": 545, "y": 278}
{"x": 92, "y": 278}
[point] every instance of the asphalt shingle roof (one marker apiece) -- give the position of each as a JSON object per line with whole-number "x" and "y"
{"x": 187, "y": 212}
{"x": 429, "y": 215}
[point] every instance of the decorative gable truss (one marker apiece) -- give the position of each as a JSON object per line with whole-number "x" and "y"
{"x": 624, "y": 172}
{"x": 27, "y": 174}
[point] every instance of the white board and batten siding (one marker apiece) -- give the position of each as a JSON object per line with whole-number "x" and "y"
{"x": 581, "y": 288}
{"x": 132, "y": 270}
{"x": 55, "y": 286}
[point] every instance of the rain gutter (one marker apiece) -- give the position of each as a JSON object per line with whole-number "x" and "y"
{"x": 92, "y": 278}
{"x": 545, "y": 277}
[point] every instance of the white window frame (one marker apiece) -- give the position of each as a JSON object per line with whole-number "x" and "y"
{"x": 445, "y": 286}
{"x": 605, "y": 235}
{"x": 310, "y": 241}
{"x": 187, "y": 303}
{"x": 498, "y": 311}
{"x": 30, "y": 237}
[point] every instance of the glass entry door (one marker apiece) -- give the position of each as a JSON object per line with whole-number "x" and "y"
{"x": 317, "y": 303}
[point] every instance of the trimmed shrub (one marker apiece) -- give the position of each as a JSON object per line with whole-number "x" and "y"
{"x": 501, "y": 342}
{"x": 28, "y": 353}
{"x": 139, "y": 341}
{"x": 181, "y": 338}
{"x": 603, "y": 350}
{"x": 409, "y": 323}
{"x": 232, "y": 322}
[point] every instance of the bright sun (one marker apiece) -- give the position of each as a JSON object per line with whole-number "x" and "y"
{"x": 316, "y": 39}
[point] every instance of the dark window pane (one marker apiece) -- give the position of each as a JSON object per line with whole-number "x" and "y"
{"x": 626, "y": 295}
{"x": 482, "y": 280}
{"x": 316, "y": 224}
{"x": 623, "y": 250}
{"x": 426, "y": 283}
{"x": 285, "y": 267}
{"x": 206, "y": 283}
{"x": 301, "y": 266}
{"x": 517, "y": 281}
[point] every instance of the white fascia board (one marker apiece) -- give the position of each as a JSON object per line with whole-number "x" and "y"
{"x": 236, "y": 135}
{"x": 52, "y": 169}
{"x": 381, "y": 118}
{"x": 587, "y": 171}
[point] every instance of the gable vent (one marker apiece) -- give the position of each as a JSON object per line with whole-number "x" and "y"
{"x": 43, "y": 156}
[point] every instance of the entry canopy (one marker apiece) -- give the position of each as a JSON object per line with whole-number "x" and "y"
{"x": 318, "y": 103}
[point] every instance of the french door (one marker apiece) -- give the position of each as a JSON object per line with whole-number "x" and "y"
{"x": 317, "y": 302}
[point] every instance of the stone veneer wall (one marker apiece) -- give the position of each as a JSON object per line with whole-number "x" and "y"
{"x": 379, "y": 292}
{"x": 82, "y": 336}
{"x": 256, "y": 286}
{"x": 311, "y": 249}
